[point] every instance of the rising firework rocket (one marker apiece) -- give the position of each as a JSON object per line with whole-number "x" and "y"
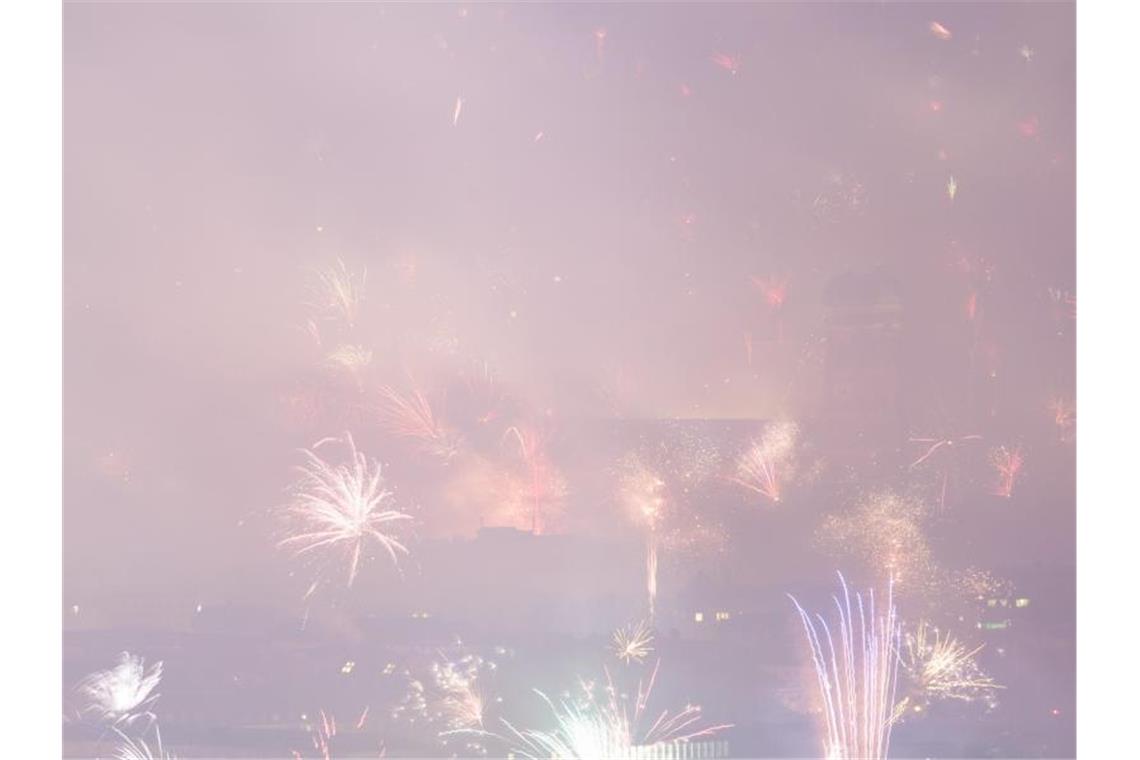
{"x": 857, "y": 674}
{"x": 542, "y": 482}
{"x": 643, "y": 494}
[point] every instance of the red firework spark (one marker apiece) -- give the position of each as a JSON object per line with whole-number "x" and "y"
{"x": 774, "y": 291}
{"x": 972, "y": 305}
{"x": 729, "y": 63}
{"x": 946, "y": 446}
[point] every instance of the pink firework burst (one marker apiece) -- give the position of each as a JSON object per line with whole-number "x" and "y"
{"x": 412, "y": 416}
{"x": 1064, "y": 417}
{"x": 543, "y": 485}
{"x": 1007, "y": 461}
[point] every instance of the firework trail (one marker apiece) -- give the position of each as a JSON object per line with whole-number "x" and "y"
{"x": 763, "y": 468}
{"x": 729, "y": 63}
{"x": 1008, "y": 462}
{"x": 666, "y": 512}
{"x": 651, "y": 574}
{"x": 633, "y": 643}
{"x": 343, "y": 506}
{"x": 940, "y": 31}
{"x": 138, "y": 749}
{"x": 543, "y": 487}
{"x": 941, "y": 667}
{"x": 857, "y": 674}
{"x": 607, "y": 727}
{"x": 323, "y": 732}
{"x": 412, "y": 416}
{"x": 458, "y": 110}
{"x": 122, "y": 695}
{"x": 600, "y": 43}
{"x": 337, "y": 293}
{"x": 643, "y": 494}
{"x": 948, "y": 446}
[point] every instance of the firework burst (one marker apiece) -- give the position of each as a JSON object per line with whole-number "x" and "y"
{"x": 412, "y": 416}
{"x": 768, "y": 461}
{"x": 886, "y": 532}
{"x": 458, "y": 700}
{"x": 123, "y": 694}
{"x": 352, "y": 360}
{"x": 451, "y": 699}
{"x": 1007, "y": 461}
{"x": 344, "y": 506}
{"x": 941, "y": 667}
{"x": 605, "y": 725}
{"x": 337, "y": 293}
{"x": 633, "y": 643}
{"x": 857, "y": 674}
{"x": 139, "y": 749}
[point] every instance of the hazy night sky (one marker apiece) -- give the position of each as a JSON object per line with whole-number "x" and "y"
{"x": 589, "y": 227}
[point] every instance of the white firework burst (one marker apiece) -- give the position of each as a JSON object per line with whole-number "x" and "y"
{"x": 344, "y": 506}
{"x": 123, "y": 694}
